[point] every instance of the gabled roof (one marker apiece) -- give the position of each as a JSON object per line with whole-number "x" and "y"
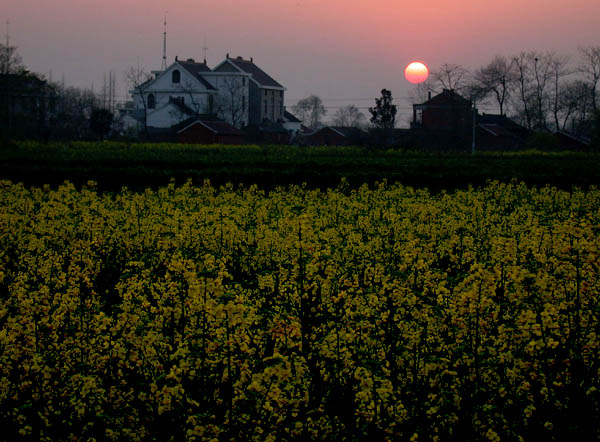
{"x": 572, "y": 137}
{"x": 501, "y": 123}
{"x": 290, "y": 117}
{"x": 196, "y": 70}
{"x": 216, "y": 126}
{"x": 447, "y": 97}
{"x": 346, "y": 131}
{"x": 181, "y": 106}
{"x": 258, "y": 75}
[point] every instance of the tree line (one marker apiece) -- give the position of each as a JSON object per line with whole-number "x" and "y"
{"x": 543, "y": 91}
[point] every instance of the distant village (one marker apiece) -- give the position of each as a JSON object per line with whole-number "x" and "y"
{"x": 237, "y": 102}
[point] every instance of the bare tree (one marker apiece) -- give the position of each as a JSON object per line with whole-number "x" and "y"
{"x": 310, "y": 110}
{"x": 349, "y": 116}
{"x": 524, "y": 101}
{"x": 10, "y": 60}
{"x": 541, "y": 66}
{"x": 139, "y": 79}
{"x": 590, "y": 69}
{"x": 423, "y": 90}
{"x": 73, "y": 111}
{"x": 451, "y": 76}
{"x": 575, "y": 105}
{"x": 231, "y": 104}
{"x": 497, "y": 78}
{"x": 559, "y": 68}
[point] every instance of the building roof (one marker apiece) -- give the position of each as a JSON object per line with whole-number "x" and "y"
{"x": 501, "y": 123}
{"x": 346, "y": 131}
{"x": 290, "y": 117}
{"x": 196, "y": 70}
{"x": 563, "y": 135}
{"x": 447, "y": 97}
{"x": 216, "y": 126}
{"x": 260, "y": 76}
{"x": 184, "y": 108}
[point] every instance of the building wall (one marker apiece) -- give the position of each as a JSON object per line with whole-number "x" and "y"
{"x": 255, "y": 116}
{"x": 165, "y": 116}
{"x": 327, "y": 137}
{"x": 446, "y": 119}
{"x": 193, "y": 94}
{"x": 239, "y": 84}
{"x": 271, "y": 104}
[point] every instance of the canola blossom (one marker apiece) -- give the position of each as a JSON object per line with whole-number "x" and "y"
{"x": 385, "y": 313}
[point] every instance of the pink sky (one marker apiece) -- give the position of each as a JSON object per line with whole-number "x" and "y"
{"x": 338, "y": 49}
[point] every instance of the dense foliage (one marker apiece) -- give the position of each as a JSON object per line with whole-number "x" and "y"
{"x": 197, "y": 313}
{"x": 139, "y": 166}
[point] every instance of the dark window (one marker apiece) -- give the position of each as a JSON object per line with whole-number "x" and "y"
{"x": 176, "y": 76}
{"x": 265, "y": 92}
{"x": 243, "y": 103}
{"x": 243, "y": 81}
{"x": 280, "y": 94}
{"x": 151, "y": 101}
{"x": 210, "y": 103}
{"x": 265, "y": 107}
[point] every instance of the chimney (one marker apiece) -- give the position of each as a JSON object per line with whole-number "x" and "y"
{"x": 251, "y": 60}
{"x": 190, "y": 60}
{"x": 176, "y": 58}
{"x": 239, "y": 58}
{"x": 429, "y": 95}
{"x": 227, "y": 56}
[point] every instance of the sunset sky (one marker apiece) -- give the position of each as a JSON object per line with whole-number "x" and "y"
{"x": 342, "y": 50}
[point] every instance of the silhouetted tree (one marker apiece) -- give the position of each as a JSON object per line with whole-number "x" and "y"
{"x": 310, "y": 110}
{"x": 575, "y": 105}
{"x": 383, "y": 115}
{"x": 595, "y": 143}
{"x": 497, "y": 78}
{"x": 349, "y": 116}
{"x": 590, "y": 69}
{"x": 559, "y": 69}
{"x": 451, "y": 76}
{"x": 138, "y": 78}
{"x": 74, "y": 108}
{"x": 10, "y": 60}
{"x": 231, "y": 102}
{"x": 524, "y": 100}
{"x": 101, "y": 122}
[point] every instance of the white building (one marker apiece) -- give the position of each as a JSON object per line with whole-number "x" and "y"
{"x": 236, "y": 91}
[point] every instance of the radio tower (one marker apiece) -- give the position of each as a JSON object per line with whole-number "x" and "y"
{"x": 164, "y": 60}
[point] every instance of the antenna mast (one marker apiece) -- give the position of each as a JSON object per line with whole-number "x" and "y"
{"x": 204, "y": 49}
{"x": 164, "y": 58}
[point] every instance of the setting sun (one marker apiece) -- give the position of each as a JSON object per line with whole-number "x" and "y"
{"x": 416, "y": 72}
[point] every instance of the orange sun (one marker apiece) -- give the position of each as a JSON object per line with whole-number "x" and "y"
{"x": 416, "y": 72}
